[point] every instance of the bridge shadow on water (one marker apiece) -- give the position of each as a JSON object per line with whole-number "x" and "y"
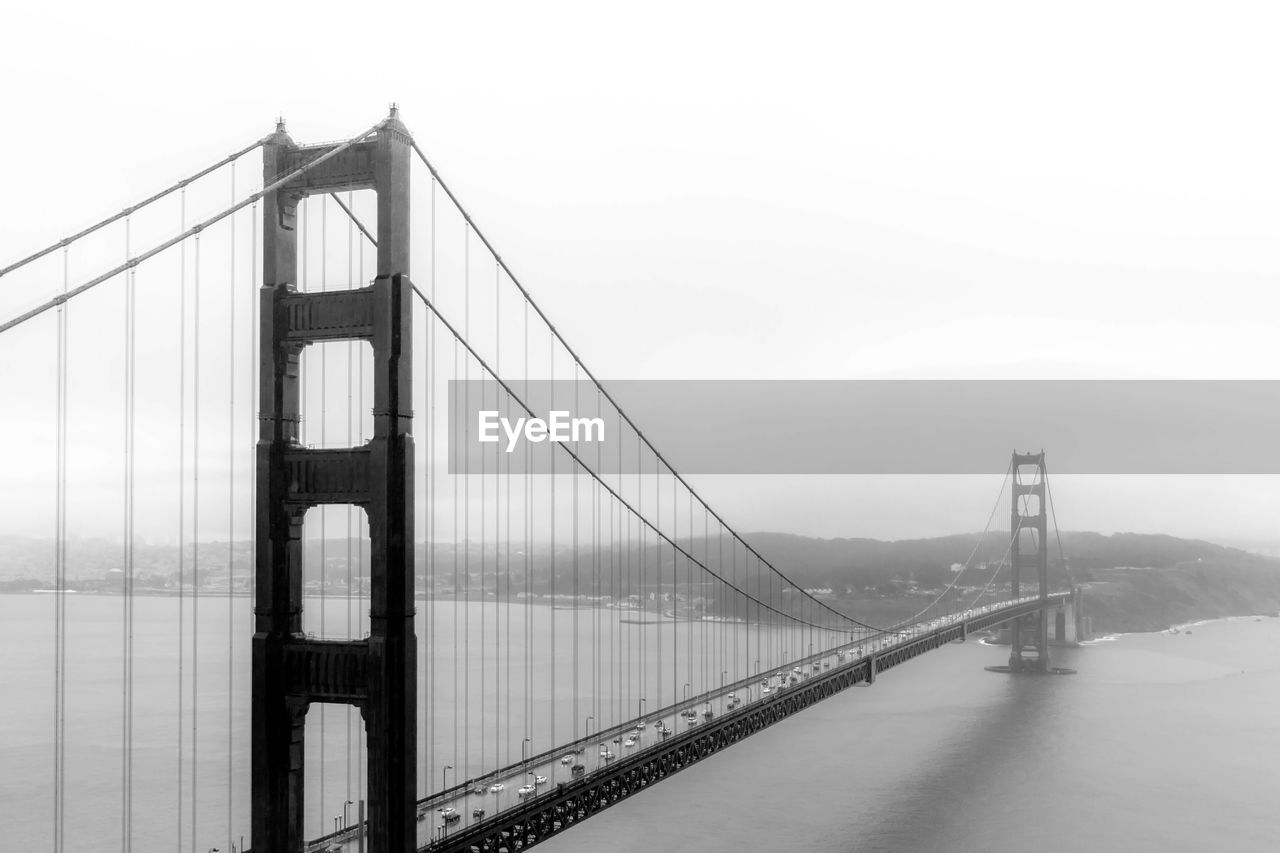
{"x": 942, "y": 806}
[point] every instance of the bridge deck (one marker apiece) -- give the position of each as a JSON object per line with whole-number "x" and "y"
{"x": 564, "y": 800}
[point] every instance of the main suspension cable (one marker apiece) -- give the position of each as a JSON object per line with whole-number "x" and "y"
{"x": 128, "y": 211}
{"x": 677, "y": 548}
{"x": 190, "y": 232}
{"x": 573, "y": 355}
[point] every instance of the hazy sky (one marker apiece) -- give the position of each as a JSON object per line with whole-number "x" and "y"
{"x": 840, "y": 190}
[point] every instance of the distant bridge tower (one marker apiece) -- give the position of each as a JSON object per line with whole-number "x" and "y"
{"x": 1028, "y": 525}
{"x": 291, "y": 671}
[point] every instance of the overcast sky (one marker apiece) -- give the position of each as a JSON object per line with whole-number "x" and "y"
{"x": 979, "y": 190}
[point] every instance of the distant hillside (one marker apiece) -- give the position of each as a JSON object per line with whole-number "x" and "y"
{"x": 1132, "y": 582}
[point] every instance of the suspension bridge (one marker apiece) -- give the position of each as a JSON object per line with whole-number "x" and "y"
{"x": 425, "y": 648}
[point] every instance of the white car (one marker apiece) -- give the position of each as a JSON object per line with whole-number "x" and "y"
{"x": 567, "y": 760}
{"x": 539, "y": 780}
{"x": 496, "y": 787}
{"x": 527, "y": 791}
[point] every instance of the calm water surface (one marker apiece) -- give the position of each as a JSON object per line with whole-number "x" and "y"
{"x": 1160, "y": 742}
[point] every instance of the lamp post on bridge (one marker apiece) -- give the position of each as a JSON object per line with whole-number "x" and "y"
{"x": 444, "y": 824}
{"x": 344, "y": 812}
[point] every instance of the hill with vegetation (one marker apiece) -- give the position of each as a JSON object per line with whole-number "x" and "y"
{"x": 1131, "y": 581}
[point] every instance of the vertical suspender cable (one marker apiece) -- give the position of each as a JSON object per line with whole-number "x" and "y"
{"x": 466, "y": 509}
{"x": 351, "y": 413}
{"x": 251, "y": 364}
{"x": 574, "y": 470}
{"x": 360, "y": 575}
{"x": 182, "y": 498}
{"x": 231, "y": 510}
{"x": 126, "y": 764}
{"x": 195, "y": 538}
{"x": 552, "y": 455}
{"x": 457, "y": 620}
{"x": 528, "y": 558}
{"x": 60, "y": 573}
{"x": 484, "y": 636}
{"x": 505, "y": 710}
{"x": 429, "y": 702}
{"x": 324, "y": 421}
{"x": 497, "y": 505}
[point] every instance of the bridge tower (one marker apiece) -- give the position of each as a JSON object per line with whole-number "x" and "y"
{"x": 1028, "y": 524}
{"x": 290, "y": 671}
